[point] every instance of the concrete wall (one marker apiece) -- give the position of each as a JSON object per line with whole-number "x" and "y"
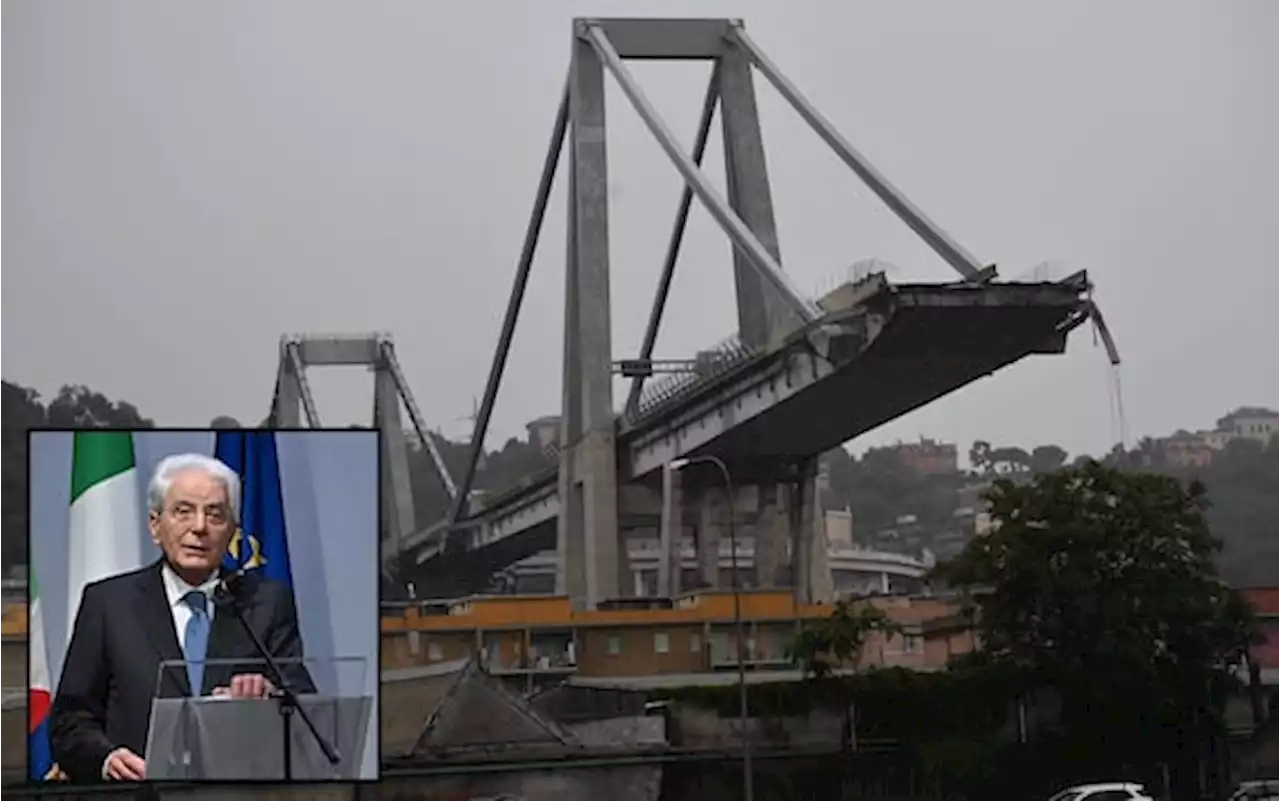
{"x": 13, "y": 663}
{"x": 13, "y": 723}
{"x": 694, "y": 727}
{"x": 405, "y": 649}
{"x": 639, "y": 783}
{"x": 13, "y": 732}
{"x": 632, "y": 730}
{"x": 637, "y": 650}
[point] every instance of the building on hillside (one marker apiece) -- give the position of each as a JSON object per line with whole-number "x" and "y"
{"x": 1187, "y": 449}
{"x": 906, "y": 535}
{"x": 537, "y": 641}
{"x": 1200, "y": 448}
{"x": 839, "y": 528}
{"x": 929, "y": 457}
{"x": 544, "y": 432}
{"x": 1251, "y": 422}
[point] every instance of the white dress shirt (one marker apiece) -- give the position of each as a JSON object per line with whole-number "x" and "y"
{"x": 176, "y": 589}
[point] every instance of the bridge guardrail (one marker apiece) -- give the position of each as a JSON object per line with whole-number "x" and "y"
{"x": 710, "y": 364}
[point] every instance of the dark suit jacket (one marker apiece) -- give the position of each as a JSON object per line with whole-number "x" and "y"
{"x": 123, "y": 631}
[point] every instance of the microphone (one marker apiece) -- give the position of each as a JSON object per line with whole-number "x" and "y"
{"x": 224, "y": 590}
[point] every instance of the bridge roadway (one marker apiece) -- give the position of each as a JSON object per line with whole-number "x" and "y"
{"x": 878, "y": 352}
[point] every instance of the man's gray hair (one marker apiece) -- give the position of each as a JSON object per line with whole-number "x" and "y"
{"x": 170, "y": 466}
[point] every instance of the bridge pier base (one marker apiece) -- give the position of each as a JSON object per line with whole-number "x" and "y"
{"x": 810, "y": 568}
{"x": 778, "y": 525}
{"x": 772, "y": 534}
{"x": 714, "y": 505}
{"x": 671, "y": 536}
{"x": 593, "y": 561}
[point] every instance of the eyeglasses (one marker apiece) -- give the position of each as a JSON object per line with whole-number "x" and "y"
{"x": 216, "y": 515}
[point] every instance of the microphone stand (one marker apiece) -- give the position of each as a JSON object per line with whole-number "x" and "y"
{"x": 286, "y": 699}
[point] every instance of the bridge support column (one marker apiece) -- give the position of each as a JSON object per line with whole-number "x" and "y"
{"x": 286, "y": 406}
{"x": 671, "y": 536}
{"x": 398, "y": 518}
{"x": 713, "y": 502}
{"x": 772, "y": 529}
{"x": 293, "y": 406}
{"x": 762, "y": 313}
{"x": 591, "y": 555}
{"x": 811, "y": 569}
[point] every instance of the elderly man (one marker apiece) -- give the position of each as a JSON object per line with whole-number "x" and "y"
{"x": 127, "y": 625}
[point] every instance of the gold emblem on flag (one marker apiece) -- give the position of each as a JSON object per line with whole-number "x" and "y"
{"x": 255, "y": 557}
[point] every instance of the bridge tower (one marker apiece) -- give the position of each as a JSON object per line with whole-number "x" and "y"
{"x": 614, "y": 470}
{"x": 292, "y": 406}
{"x": 593, "y": 554}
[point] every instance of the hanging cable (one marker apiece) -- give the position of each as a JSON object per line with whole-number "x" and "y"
{"x": 1123, "y": 424}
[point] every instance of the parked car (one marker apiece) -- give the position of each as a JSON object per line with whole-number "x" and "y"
{"x": 1104, "y": 791}
{"x": 1259, "y": 790}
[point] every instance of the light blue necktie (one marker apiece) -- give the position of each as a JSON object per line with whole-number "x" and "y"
{"x": 196, "y": 640}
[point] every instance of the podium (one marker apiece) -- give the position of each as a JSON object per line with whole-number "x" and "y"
{"x": 218, "y": 738}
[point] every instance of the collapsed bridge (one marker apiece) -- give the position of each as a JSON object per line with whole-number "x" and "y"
{"x": 801, "y": 377}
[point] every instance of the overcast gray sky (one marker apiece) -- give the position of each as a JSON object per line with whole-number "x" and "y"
{"x": 183, "y": 182}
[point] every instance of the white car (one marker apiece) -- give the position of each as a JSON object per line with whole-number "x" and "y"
{"x": 1264, "y": 790}
{"x": 1104, "y": 791}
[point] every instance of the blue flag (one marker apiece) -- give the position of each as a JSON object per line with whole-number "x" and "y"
{"x": 260, "y": 544}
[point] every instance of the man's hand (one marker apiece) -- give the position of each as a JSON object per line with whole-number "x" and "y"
{"x": 246, "y": 685}
{"x": 124, "y": 765}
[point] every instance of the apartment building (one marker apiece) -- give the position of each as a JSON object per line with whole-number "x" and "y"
{"x": 929, "y": 457}
{"x": 1251, "y": 422}
{"x": 537, "y": 640}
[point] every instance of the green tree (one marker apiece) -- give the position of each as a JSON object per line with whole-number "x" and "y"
{"x": 1009, "y": 460}
{"x": 823, "y": 645}
{"x": 881, "y": 487}
{"x": 1047, "y": 458}
{"x": 1102, "y": 583}
{"x": 1242, "y": 481}
{"x": 980, "y": 456}
{"x": 75, "y": 406}
{"x": 22, "y": 411}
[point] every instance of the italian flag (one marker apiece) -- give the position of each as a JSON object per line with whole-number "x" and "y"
{"x": 40, "y": 695}
{"x": 104, "y": 539}
{"x": 105, "y": 535}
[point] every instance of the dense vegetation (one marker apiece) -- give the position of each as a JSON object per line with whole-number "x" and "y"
{"x": 1097, "y": 590}
{"x": 23, "y": 409}
{"x": 1102, "y": 584}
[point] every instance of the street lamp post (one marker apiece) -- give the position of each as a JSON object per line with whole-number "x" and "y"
{"x": 748, "y": 780}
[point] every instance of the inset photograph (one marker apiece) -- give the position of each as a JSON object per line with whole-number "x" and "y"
{"x": 203, "y": 605}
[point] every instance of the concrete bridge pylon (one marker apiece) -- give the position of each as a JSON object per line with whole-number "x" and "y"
{"x": 293, "y": 406}
{"x": 589, "y": 537}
